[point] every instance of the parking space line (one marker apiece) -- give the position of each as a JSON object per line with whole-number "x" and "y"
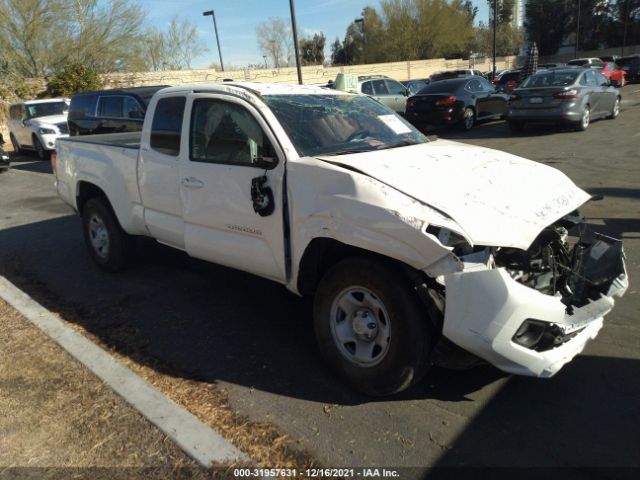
{"x": 200, "y": 442}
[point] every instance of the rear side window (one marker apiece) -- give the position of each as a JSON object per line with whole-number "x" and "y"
{"x": 380, "y": 87}
{"x": 395, "y": 88}
{"x": 167, "y": 125}
{"x": 110, "y": 107}
{"x": 367, "y": 88}
{"x": 82, "y": 106}
{"x": 131, "y": 108}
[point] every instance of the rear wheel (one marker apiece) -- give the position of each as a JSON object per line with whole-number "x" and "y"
{"x": 108, "y": 244}
{"x": 15, "y": 144}
{"x": 371, "y": 327}
{"x": 468, "y": 119}
{"x": 615, "y": 111}
{"x": 585, "y": 119}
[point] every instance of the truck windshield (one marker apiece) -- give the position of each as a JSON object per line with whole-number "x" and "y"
{"x": 340, "y": 124}
{"x": 46, "y": 109}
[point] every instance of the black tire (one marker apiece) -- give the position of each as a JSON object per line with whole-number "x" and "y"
{"x": 120, "y": 246}
{"x": 411, "y": 334}
{"x": 14, "y": 143}
{"x": 468, "y": 119}
{"x": 40, "y": 150}
{"x": 515, "y": 126}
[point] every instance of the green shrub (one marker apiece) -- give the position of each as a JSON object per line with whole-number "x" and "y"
{"x": 73, "y": 78}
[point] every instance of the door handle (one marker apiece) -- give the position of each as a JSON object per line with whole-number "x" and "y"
{"x": 191, "y": 182}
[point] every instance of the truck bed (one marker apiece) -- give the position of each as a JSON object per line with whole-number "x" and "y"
{"x": 122, "y": 140}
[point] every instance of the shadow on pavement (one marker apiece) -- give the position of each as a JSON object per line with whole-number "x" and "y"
{"x": 496, "y": 129}
{"x": 29, "y": 162}
{"x": 585, "y": 416}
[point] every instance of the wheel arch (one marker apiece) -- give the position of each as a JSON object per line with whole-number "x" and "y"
{"x": 322, "y": 253}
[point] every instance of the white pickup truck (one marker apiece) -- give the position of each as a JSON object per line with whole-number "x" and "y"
{"x": 403, "y": 242}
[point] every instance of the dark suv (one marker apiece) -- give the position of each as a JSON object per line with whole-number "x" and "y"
{"x": 109, "y": 111}
{"x": 631, "y": 65}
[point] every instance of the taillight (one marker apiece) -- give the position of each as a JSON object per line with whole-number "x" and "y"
{"x": 410, "y": 102}
{"x": 447, "y": 101}
{"x": 514, "y": 97}
{"x": 568, "y": 95}
{"x": 54, "y": 161}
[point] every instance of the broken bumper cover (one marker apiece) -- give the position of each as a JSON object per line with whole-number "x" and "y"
{"x": 516, "y": 328}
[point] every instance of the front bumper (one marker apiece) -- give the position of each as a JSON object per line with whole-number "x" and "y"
{"x": 486, "y": 309}
{"x": 48, "y": 140}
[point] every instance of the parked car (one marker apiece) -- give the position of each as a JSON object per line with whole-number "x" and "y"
{"x": 465, "y": 72}
{"x": 612, "y": 72}
{"x": 109, "y": 111}
{"x": 386, "y": 90}
{"x": 415, "y": 86}
{"x": 631, "y": 66}
{"x": 4, "y": 158}
{"x": 582, "y": 62}
{"x": 459, "y": 101}
{"x": 570, "y": 96}
{"x": 36, "y": 124}
{"x": 490, "y": 76}
{"x": 402, "y": 242}
{"x": 508, "y": 80}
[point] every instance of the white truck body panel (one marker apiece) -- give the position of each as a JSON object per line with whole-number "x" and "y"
{"x": 380, "y": 201}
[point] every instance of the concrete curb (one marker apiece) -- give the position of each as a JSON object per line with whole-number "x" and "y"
{"x": 199, "y": 441}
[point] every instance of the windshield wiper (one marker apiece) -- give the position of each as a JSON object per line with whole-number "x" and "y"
{"x": 347, "y": 152}
{"x": 403, "y": 143}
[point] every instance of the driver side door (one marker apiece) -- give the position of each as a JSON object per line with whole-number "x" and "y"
{"x": 227, "y": 137}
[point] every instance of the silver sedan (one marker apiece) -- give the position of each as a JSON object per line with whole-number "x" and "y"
{"x": 573, "y": 96}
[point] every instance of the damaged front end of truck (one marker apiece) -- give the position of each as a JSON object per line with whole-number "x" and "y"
{"x": 529, "y": 312}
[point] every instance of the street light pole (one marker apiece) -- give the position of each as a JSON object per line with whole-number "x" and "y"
{"x": 265, "y": 61}
{"x": 364, "y": 39}
{"x": 626, "y": 21}
{"x": 575, "y": 52}
{"x": 495, "y": 25}
{"x": 212, "y": 14}
{"x": 295, "y": 40}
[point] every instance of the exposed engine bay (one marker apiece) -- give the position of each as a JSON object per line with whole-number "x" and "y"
{"x": 580, "y": 270}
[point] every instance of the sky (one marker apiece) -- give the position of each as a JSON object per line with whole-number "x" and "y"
{"x": 237, "y": 21}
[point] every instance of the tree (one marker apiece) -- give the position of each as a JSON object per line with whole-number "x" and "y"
{"x": 38, "y": 37}
{"x": 275, "y": 41}
{"x": 545, "y": 23}
{"x": 312, "y": 49}
{"x": 71, "y": 79}
{"x": 173, "y": 49}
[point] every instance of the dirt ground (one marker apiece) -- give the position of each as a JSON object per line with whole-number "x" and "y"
{"x": 57, "y": 420}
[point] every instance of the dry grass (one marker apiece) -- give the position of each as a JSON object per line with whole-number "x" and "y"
{"x": 55, "y": 415}
{"x": 266, "y": 446}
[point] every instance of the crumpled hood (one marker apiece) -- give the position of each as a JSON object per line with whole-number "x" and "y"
{"x": 48, "y": 120}
{"x": 498, "y": 199}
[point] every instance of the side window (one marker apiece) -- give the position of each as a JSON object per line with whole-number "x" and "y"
{"x": 82, "y": 106}
{"x": 601, "y": 79}
{"x": 131, "y": 108}
{"x": 395, "y": 88}
{"x": 379, "y": 87}
{"x": 166, "y": 128}
{"x": 110, "y": 107}
{"x": 473, "y": 86}
{"x": 223, "y": 132}
{"x": 583, "y": 79}
{"x": 485, "y": 85}
{"x": 367, "y": 88}
{"x": 591, "y": 78}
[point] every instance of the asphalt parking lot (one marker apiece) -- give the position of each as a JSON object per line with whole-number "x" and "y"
{"x": 251, "y": 336}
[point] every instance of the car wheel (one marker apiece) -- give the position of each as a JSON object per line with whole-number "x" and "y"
{"x": 615, "y": 111}
{"x": 583, "y": 124}
{"x": 516, "y": 126}
{"x": 468, "y": 119}
{"x": 40, "y": 151}
{"x": 371, "y": 327}
{"x": 108, "y": 244}
{"x": 622, "y": 82}
{"x": 15, "y": 144}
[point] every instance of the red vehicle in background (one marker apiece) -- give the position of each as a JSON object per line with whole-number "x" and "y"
{"x": 612, "y": 72}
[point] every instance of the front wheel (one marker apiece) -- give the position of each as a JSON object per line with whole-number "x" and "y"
{"x": 40, "y": 150}
{"x": 371, "y": 327}
{"x": 615, "y": 111}
{"x": 108, "y": 244}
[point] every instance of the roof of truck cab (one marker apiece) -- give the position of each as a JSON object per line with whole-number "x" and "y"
{"x": 256, "y": 88}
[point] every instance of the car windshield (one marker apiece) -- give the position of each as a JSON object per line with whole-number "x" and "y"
{"x": 340, "y": 124}
{"x": 550, "y": 79}
{"x": 46, "y": 109}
